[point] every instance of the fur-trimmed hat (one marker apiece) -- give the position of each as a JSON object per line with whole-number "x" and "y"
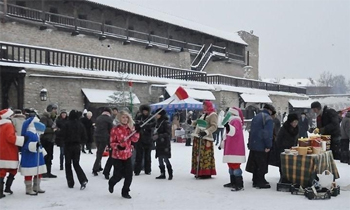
{"x": 291, "y": 117}
{"x": 5, "y": 113}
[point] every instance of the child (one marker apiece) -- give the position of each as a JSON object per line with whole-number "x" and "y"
{"x": 234, "y": 148}
{"x": 122, "y": 152}
{"x": 29, "y": 161}
{"x": 162, "y": 134}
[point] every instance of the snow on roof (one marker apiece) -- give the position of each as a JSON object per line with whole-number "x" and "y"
{"x": 291, "y": 82}
{"x": 162, "y": 16}
{"x": 104, "y": 96}
{"x": 337, "y": 103}
{"x": 117, "y": 75}
{"x": 196, "y": 94}
{"x": 254, "y": 98}
{"x": 297, "y": 82}
{"x": 256, "y": 91}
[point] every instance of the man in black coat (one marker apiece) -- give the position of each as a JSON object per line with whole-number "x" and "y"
{"x": 104, "y": 124}
{"x": 328, "y": 125}
{"x": 145, "y": 143}
{"x": 303, "y": 126}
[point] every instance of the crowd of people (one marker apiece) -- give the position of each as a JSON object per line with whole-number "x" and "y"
{"x": 130, "y": 142}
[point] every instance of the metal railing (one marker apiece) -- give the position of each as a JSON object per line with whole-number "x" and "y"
{"x": 17, "y": 53}
{"x": 249, "y": 83}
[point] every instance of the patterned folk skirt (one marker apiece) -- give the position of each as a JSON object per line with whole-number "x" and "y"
{"x": 205, "y": 153}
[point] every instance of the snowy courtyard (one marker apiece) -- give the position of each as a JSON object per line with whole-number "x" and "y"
{"x": 183, "y": 192}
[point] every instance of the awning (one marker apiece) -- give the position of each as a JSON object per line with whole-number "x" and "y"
{"x": 109, "y": 96}
{"x": 300, "y": 103}
{"x": 188, "y": 103}
{"x": 254, "y": 98}
{"x": 196, "y": 94}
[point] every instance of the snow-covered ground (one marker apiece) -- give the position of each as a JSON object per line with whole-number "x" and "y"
{"x": 183, "y": 192}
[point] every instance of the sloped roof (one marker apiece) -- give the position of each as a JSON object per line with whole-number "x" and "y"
{"x": 161, "y": 16}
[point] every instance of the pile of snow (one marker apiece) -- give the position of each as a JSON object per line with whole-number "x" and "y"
{"x": 292, "y": 82}
{"x": 183, "y": 192}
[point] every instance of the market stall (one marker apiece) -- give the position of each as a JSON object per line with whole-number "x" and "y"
{"x": 187, "y": 104}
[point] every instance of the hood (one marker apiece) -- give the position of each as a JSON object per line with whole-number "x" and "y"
{"x": 145, "y": 107}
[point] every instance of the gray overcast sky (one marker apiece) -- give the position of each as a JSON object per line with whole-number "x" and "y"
{"x": 298, "y": 39}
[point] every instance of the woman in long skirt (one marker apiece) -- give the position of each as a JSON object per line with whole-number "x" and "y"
{"x": 203, "y": 161}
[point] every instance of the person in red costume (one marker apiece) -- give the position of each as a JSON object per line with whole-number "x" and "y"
{"x": 8, "y": 151}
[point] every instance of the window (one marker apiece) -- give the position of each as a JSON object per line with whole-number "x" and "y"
{"x": 53, "y": 18}
{"x": 81, "y": 22}
{"x": 21, "y": 11}
{"x": 108, "y": 22}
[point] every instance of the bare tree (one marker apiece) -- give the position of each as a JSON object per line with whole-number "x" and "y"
{"x": 326, "y": 79}
{"x": 339, "y": 84}
{"x": 121, "y": 97}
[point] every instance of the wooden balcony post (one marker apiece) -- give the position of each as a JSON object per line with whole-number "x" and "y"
{"x": 5, "y": 11}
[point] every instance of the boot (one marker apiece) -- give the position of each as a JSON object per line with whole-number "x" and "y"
{"x": 36, "y": 186}
{"x": 162, "y": 173}
{"x": 2, "y": 188}
{"x": 48, "y": 174}
{"x": 238, "y": 183}
{"x": 125, "y": 194}
{"x": 232, "y": 182}
{"x": 170, "y": 171}
{"x": 29, "y": 188}
{"x": 8, "y": 184}
{"x": 188, "y": 142}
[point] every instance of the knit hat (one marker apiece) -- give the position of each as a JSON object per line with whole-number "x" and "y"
{"x": 107, "y": 109}
{"x": 316, "y": 104}
{"x": 291, "y": 117}
{"x": 269, "y": 107}
{"x": 73, "y": 115}
{"x": 5, "y": 113}
{"x": 50, "y": 107}
{"x": 162, "y": 113}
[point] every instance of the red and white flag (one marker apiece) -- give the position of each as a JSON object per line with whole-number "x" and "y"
{"x": 180, "y": 94}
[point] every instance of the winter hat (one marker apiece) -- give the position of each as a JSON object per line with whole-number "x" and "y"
{"x": 28, "y": 125}
{"x": 233, "y": 111}
{"x": 210, "y": 106}
{"x": 50, "y": 107}
{"x": 5, "y": 113}
{"x": 316, "y": 104}
{"x": 17, "y": 111}
{"x": 291, "y": 117}
{"x": 89, "y": 113}
{"x": 269, "y": 107}
{"x": 162, "y": 113}
{"x": 73, "y": 115}
{"x": 85, "y": 111}
{"x": 107, "y": 109}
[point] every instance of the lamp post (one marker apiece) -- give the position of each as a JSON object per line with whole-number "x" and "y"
{"x": 130, "y": 90}
{"x": 43, "y": 94}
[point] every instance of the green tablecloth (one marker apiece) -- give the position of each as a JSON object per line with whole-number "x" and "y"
{"x": 302, "y": 169}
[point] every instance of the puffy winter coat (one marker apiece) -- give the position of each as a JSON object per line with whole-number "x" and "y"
{"x": 146, "y": 131}
{"x": 48, "y": 122}
{"x": 212, "y": 121}
{"x": 261, "y": 132}
{"x": 73, "y": 133}
{"x": 287, "y": 137}
{"x": 163, "y": 131}
{"x": 118, "y": 134}
{"x": 88, "y": 124}
{"x": 60, "y": 123}
{"x": 234, "y": 148}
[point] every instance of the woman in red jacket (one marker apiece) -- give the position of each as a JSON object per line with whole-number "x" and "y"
{"x": 122, "y": 152}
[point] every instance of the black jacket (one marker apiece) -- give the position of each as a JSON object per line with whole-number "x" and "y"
{"x": 329, "y": 123}
{"x": 146, "y": 131}
{"x": 88, "y": 127}
{"x": 163, "y": 131}
{"x": 73, "y": 133}
{"x": 287, "y": 137}
{"x": 303, "y": 127}
{"x": 104, "y": 124}
{"x": 47, "y": 120}
{"x": 60, "y": 123}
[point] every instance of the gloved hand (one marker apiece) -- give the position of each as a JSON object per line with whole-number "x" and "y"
{"x": 201, "y": 134}
{"x": 137, "y": 127}
{"x": 38, "y": 145}
{"x": 120, "y": 147}
{"x": 227, "y": 126}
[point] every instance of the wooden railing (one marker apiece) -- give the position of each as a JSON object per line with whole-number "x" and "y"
{"x": 248, "y": 83}
{"x": 37, "y": 55}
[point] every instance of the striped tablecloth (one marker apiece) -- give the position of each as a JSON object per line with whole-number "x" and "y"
{"x": 302, "y": 169}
